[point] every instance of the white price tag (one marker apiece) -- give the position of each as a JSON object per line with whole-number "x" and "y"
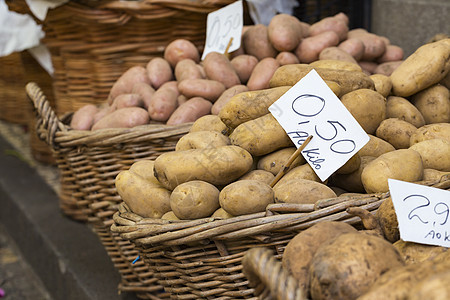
{"x": 311, "y": 108}
{"x": 221, "y": 26}
{"x": 422, "y": 212}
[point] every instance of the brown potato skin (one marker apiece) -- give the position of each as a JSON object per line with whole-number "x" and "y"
{"x": 190, "y": 111}
{"x": 126, "y": 117}
{"x": 387, "y": 219}
{"x": 301, "y": 191}
{"x": 352, "y": 182}
{"x": 434, "y": 104}
{"x": 127, "y": 100}
{"x": 205, "y": 88}
{"x": 180, "y": 49}
{"x": 209, "y": 122}
{"x": 285, "y": 32}
{"x": 261, "y": 175}
{"x": 375, "y": 147}
{"x": 333, "y": 23}
{"x": 374, "y": 46}
{"x": 124, "y": 84}
{"x": 262, "y": 73}
{"x": 287, "y": 58}
{"x": 383, "y": 84}
{"x": 244, "y": 65}
{"x": 187, "y": 69}
{"x": 392, "y": 53}
{"x": 226, "y": 96}
{"x": 301, "y": 248}
{"x": 431, "y": 131}
{"x": 396, "y": 132}
{"x": 434, "y": 153}
{"x": 309, "y": 48}
{"x": 201, "y": 139}
{"x": 159, "y": 71}
{"x": 256, "y": 42}
{"x": 218, "y": 67}
{"x": 83, "y": 118}
{"x": 354, "y": 47}
{"x": 146, "y": 92}
{"x": 275, "y": 161}
{"x": 387, "y": 68}
{"x": 403, "y": 109}
{"x": 337, "y": 54}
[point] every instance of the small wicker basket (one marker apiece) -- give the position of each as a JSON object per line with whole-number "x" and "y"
{"x": 88, "y": 162}
{"x": 202, "y": 259}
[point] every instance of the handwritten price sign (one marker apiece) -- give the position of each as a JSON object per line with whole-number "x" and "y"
{"x": 422, "y": 212}
{"x": 223, "y": 25}
{"x": 311, "y": 108}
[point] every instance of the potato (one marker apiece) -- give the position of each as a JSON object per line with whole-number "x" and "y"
{"x": 170, "y": 216}
{"x": 246, "y": 197}
{"x": 416, "y": 253}
{"x": 446, "y": 81}
{"x": 190, "y": 111}
{"x": 336, "y": 65}
{"x": 401, "y": 108}
{"x": 218, "y": 67}
{"x": 397, "y": 283}
{"x": 333, "y": 23}
{"x": 396, "y": 132}
{"x": 433, "y": 175}
{"x": 285, "y": 32}
{"x": 369, "y": 67}
{"x": 102, "y": 111}
{"x": 218, "y": 166}
{"x": 351, "y": 165}
{"x": 249, "y": 105}
{"x": 275, "y": 161}
{"x": 352, "y": 182}
{"x": 434, "y": 104}
{"x": 392, "y": 53}
{"x": 301, "y": 248}
{"x": 256, "y": 42}
{"x": 434, "y": 288}
{"x": 354, "y": 47}
{"x": 201, "y": 140}
{"x": 220, "y": 213}
{"x": 428, "y": 65}
{"x": 159, "y": 72}
{"x": 194, "y": 200}
{"x": 205, "y": 88}
{"x": 368, "y": 107}
{"x": 209, "y": 122}
{"x": 346, "y": 267}
{"x": 181, "y": 99}
{"x": 374, "y": 46}
{"x": 289, "y": 75}
{"x": 261, "y": 175}
{"x": 301, "y": 191}
{"x": 145, "y": 91}
{"x": 187, "y": 69}
{"x": 402, "y": 164}
{"x": 180, "y": 49}
{"x": 83, "y": 118}
{"x": 286, "y": 58}
{"x": 124, "y": 84}
{"x": 164, "y": 102}
{"x": 226, "y": 96}
{"x": 336, "y": 53}
{"x": 387, "y": 218}
{"x": 144, "y": 169}
{"x": 260, "y": 136}
{"x": 244, "y": 65}
{"x": 387, "y": 68}
{"x": 127, "y": 100}
{"x": 142, "y": 196}
{"x": 383, "y": 84}
{"x": 304, "y": 171}
{"x": 435, "y": 154}
{"x": 375, "y": 147}
{"x": 309, "y": 48}
{"x": 126, "y": 117}
{"x": 431, "y": 131}
{"x": 262, "y": 73}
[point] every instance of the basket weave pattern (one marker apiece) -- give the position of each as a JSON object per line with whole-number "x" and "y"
{"x": 202, "y": 259}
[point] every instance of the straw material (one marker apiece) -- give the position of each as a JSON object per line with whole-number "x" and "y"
{"x": 202, "y": 259}
{"x": 88, "y": 162}
{"x": 94, "y": 42}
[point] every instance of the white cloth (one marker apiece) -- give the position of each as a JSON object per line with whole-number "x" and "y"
{"x": 262, "y": 11}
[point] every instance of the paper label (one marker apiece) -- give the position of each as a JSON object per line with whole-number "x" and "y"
{"x": 222, "y": 25}
{"x": 422, "y": 212}
{"x": 311, "y": 108}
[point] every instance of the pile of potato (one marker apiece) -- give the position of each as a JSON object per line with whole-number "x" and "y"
{"x": 179, "y": 88}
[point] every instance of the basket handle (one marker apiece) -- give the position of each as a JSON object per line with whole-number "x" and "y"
{"x": 261, "y": 267}
{"x": 47, "y": 122}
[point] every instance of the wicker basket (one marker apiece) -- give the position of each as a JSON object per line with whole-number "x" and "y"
{"x": 93, "y": 42}
{"x": 202, "y": 259}
{"x": 88, "y": 162}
